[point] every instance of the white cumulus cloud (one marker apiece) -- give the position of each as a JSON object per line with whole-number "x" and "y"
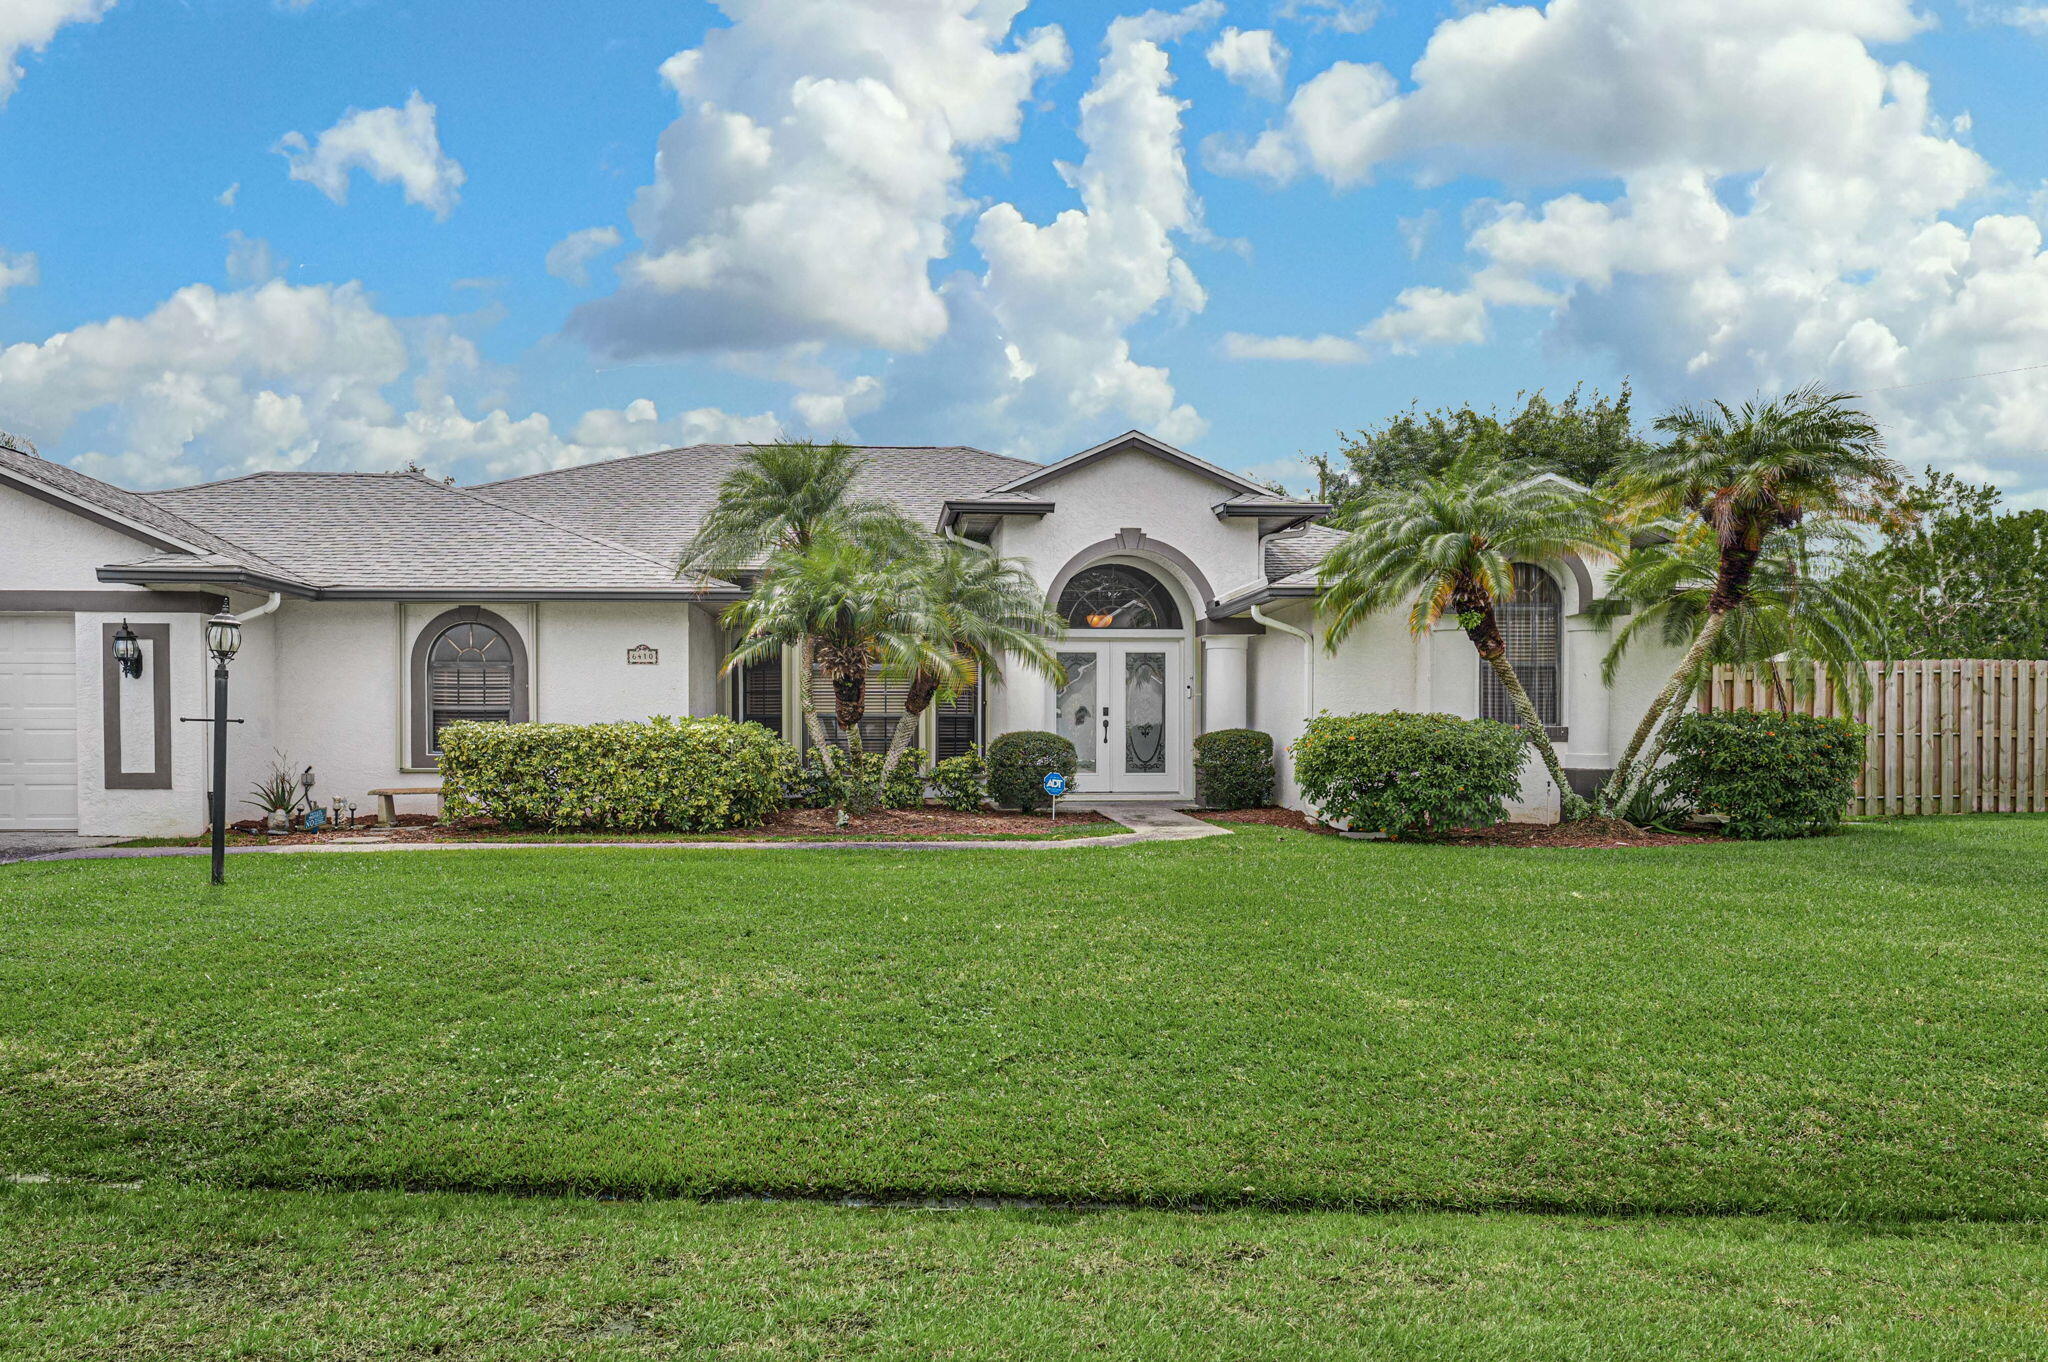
{"x": 570, "y": 257}
{"x": 399, "y": 146}
{"x": 17, "y": 270}
{"x": 217, "y": 382}
{"x": 1323, "y": 349}
{"x": 28, "y": 26}
{"x": 1751, "y": 196}
{"x": 1252, "y": 58}
{"x": 806, "y": 186}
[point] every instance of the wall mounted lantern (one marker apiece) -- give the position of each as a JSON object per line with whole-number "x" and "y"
{"x": 128, "y": 651}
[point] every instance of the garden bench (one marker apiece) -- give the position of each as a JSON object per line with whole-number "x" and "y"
{"x": 387, "y": 802}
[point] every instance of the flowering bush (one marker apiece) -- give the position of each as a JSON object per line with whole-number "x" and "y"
{"x": 1409, "y": 775}
{"x": 689, "y": 775}
{"x": 1773, "y": 775}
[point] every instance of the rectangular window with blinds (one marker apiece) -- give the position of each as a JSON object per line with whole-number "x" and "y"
{"x": 1532, "y": 623}
{"x": 760, "y": 693}
{"x": 885, "y": 701}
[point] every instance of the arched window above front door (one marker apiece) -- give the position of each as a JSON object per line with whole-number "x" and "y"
{"x": 1117, "y": 596}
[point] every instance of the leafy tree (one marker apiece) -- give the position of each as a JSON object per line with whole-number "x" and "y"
{"x": 1450, "y": 540}
{"x": 965, "y": 609}
{"x": 1803, "y": 606}
{"x": 1585, "y": 437}
{"x": 1744, "y": 474}
{"x": 835, "y": 599}
{"x": 1958, "y": 576}
{"x": 782, "y": 501}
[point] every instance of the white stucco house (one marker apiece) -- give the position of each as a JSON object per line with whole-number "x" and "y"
{"x": 379, "y": 606}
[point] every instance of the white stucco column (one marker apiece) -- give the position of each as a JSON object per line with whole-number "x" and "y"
{"x": 1223, "y": 680}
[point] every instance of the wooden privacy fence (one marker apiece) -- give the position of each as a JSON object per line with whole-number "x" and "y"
{"x": 1945, "y": 736}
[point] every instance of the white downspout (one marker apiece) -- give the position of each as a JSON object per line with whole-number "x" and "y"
{"x": 276, "y": 599}
{"x": 1308, "y": 661}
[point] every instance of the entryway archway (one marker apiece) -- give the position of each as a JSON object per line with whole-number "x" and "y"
{"x": 1125, "y": 701}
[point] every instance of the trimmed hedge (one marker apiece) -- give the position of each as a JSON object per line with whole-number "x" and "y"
{"x": 1017, "y": 763}
{"x": 1409, "y": 775}
{"x": 961, "y": 782}
{"x": 1234, "y": 768}
{"x": 1773, "y": 775}
{"x": 688, "y": 775}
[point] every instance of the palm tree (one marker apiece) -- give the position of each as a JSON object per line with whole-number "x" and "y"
{"x": 1802, "y": 609}
{"x": 1744, "y": 474}
{"x": 1451, "y": 541}
{"x": 786, "y": 498}
{"x": 967, "y": 608}
{"x": 834, "y": 599}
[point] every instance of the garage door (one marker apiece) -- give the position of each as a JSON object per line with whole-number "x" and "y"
{"x": 38, "y": 723}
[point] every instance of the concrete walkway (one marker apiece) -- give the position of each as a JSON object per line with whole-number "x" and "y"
{"x": 31, "y": 846}
{"x": 1147, "y": 823}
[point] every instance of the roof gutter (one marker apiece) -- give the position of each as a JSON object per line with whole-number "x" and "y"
{"x": 1264, "y": 595}
{"x": 220, "y": 577}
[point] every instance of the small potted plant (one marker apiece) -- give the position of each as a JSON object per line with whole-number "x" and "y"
{"x": 278, "y": 795}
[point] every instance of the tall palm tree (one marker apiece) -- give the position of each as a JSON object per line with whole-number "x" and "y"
{"x": 1451, "y": 541}
{"x": 837, "y": 600}
{"x": 785, "y": 498}
{"x": 967, "y": 609}
{"x": 1802, "y": 609}
{"x": 1744, "y": 474}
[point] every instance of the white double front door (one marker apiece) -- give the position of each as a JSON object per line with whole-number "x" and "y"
{"x": 1122, "y": 706}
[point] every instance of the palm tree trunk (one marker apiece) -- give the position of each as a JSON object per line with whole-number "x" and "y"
{"x": 808, "y": 708}
{"x": 1570, "y": 805}
{"x": 923, "y": 687}
{"x": 1620, "y": 785}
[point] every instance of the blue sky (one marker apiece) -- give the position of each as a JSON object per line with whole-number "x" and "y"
{"x": 1021, "y": 226}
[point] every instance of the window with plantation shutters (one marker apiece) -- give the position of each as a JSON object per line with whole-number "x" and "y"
{"x": 959, "y": 722}
{"x": 471, "y": 674}
{"x": 760, "y": 694}
{"x": 1532, "y": 622}
{"x": 886, "y": 697}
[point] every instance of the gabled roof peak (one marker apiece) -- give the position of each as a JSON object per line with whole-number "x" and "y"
{"x": 1139, "y": 441}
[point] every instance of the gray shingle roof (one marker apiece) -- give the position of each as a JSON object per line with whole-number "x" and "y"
{"x": 1288, "y": 554}
{"x": 19, "y": 458}
{"x": 402, "y": 532}
{"x": 654, "y": 502}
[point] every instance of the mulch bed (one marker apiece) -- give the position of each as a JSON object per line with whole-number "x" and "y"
{"x": 1587, "y": 832}
{"x": 929, "y": 824}
{"x": 1292, "y": 819}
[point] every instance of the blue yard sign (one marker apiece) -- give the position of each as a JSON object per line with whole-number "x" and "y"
{"x": 1055, "y": 784}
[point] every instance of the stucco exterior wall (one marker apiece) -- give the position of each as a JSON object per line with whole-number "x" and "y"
{"x": 580, "y": 661}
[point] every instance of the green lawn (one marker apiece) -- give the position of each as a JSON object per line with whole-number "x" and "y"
{"x": 1851, "y": 1027}
{"x": 156, "y": 1273}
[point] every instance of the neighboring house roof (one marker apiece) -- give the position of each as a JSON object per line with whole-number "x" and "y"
{"x": 396, "y": 534}
{"x": 654, "y": 502}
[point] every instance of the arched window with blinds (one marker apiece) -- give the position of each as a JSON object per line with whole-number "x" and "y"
{"x": 1532, "y": 622}
{"x": 472, "y": 674}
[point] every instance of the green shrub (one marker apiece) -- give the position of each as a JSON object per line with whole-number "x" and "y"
{"x": 689, "y": 775}
{"x": 857, "y": 781}
{"x": 962, "y": 782}
{"x": 1409, "y": 775}
{"x": 1773, "y": 775}
{"x": 1017, "y": 763}
{"x": 1234, "y": 768}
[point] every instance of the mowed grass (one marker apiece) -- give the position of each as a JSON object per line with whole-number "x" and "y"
{"x": 1851, "y": 1027}
{"x": 92, "y": 1274}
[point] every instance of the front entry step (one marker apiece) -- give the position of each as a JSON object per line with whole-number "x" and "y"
{"x": 1161, "y": 820}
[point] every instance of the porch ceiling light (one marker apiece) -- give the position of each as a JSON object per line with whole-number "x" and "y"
{"x": 128, "y": 651}
{"x": 223, "y": 635}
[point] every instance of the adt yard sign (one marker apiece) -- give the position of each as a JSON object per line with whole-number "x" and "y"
{"x": 1055, "y": 784}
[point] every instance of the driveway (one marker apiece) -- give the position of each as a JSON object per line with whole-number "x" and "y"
{"x": 23, "y": 846}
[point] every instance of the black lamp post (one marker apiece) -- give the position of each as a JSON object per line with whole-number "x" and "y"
{"x": 223, "y": 638}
